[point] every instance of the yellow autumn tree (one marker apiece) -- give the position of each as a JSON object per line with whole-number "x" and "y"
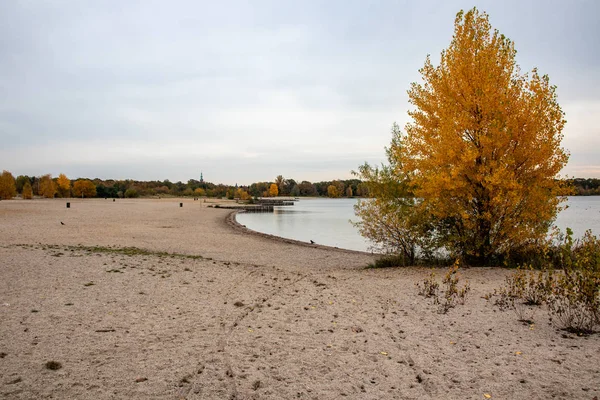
{"x": 273, "y": 190}
{"x": 8, "y": 187}
{"x": 47, "y": 187}
{"x": 63, "y": 185}
{"x": 242, "y": 194}
{"x": 27, "y": 192}
{"x": 84, "y": 188}
{"x": 483, "y": 150}
{"x": 332, "y": 191}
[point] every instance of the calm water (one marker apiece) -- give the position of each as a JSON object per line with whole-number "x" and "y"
{"x": 326, "y": 221}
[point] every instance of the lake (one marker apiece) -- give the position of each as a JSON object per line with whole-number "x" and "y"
{"x": 327, "y": 221}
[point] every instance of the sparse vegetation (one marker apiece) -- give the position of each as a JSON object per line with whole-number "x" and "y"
{"x": 389, "y": 261}
{"x": 568, "y": 283}
{"x": 449, "y": 293}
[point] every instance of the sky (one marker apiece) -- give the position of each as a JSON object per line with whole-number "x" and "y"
{"x": 243, "y": 91}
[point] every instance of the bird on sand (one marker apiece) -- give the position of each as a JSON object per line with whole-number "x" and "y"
{"x": 62, "y": 223}
{"x": 312, "y": 242}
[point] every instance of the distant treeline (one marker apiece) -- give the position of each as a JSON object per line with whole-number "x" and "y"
{"x": 586, "y": 186}
{"x": 61, "y": 186}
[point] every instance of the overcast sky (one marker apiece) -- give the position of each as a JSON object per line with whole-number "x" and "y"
{"x": 248, "y": 90}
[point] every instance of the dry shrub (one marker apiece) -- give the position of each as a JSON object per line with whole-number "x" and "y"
{"x": 524, "y": 291}
{"x": 569, "y": 284}
{"x": 449, "y": 294}
{"x": 574, "y": 302}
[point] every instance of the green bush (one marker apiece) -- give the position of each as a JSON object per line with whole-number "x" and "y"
{"x": 131, "y": 193}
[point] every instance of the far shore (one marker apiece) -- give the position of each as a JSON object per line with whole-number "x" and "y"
{"x": 142, "y": 298}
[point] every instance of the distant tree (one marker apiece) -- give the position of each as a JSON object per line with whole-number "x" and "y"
{"x": 332, "y": 191}
{"x": 349, "y": 192}
{"x": 64, "y": 186}
{"x": 307, "y": 189}
{"x": 164, "y": 190}
{"x": 131, "y": 193}
{"x": 339, "y": 186}
{"x": 47, "y": 187}
{"x": 21, "y": 180}
{"x": 8, "y": 187}
{"x": 279, "y": 181}
{"x": 27, "y": 192}
{"x": 242, "y": 194}
{"x": 295, "y": 192}
{"x": 273, "y": 190}
{"x": 199, "y": 192}
{"x": 288, "y": 186}
{"x": 84, "y": 188}
{"x": 257, "y": 189}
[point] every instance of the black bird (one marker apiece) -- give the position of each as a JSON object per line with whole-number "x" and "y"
{"x": 62, "y": 223}
{"x": 311, "y": 242}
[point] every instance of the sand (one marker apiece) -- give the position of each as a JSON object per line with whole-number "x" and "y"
{"x": 237, "y": 315}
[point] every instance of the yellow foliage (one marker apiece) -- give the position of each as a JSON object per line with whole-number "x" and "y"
{"x": 27, "y": 192}
{"x": 332, "y": 191}
{"x": 64, "y": 185}
{"x": 47, "y": 187}
{"x": 242, "y": 194}
{"x": 8, "y": 187}
{"x": 273, "y": 190}
{"x": 484, "y": 145}
{"x": 200, "y": 192}
{"x": 84, "y": 188}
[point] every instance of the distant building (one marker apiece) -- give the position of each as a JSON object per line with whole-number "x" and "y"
{"x": 201, "y": 177}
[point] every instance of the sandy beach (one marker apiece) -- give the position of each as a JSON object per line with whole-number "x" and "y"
{"x": 143, "y": 299}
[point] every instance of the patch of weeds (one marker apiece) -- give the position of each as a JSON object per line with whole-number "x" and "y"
{"x": 91, "y": 283}
{"x": 447, "y": 295}
{"x": 3, "y": 354}
{"x": 35, "y": 311}
{"x": 115, "y": 270}
{"x": 569, "y": 284}
{"x": 523, "y": 292}
{"x": 429, "y": 288}
{"x": 130, "y": 251}
{"x": 53, "y": 365}
{"x": 256, "y": 385}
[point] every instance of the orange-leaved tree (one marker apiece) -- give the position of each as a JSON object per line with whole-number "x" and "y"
{"x": 47, "y": 187}
{"x": 273, "y": 190}
{"x": 8, "y": 187}
{"x": 64, "y": 185}
{"x": 84, "y": 188}
{"x": 27, "y": 192}
{"x": 483, "y": 150}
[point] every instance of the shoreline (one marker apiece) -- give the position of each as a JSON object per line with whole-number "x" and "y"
{"x": 232, "y": 221}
